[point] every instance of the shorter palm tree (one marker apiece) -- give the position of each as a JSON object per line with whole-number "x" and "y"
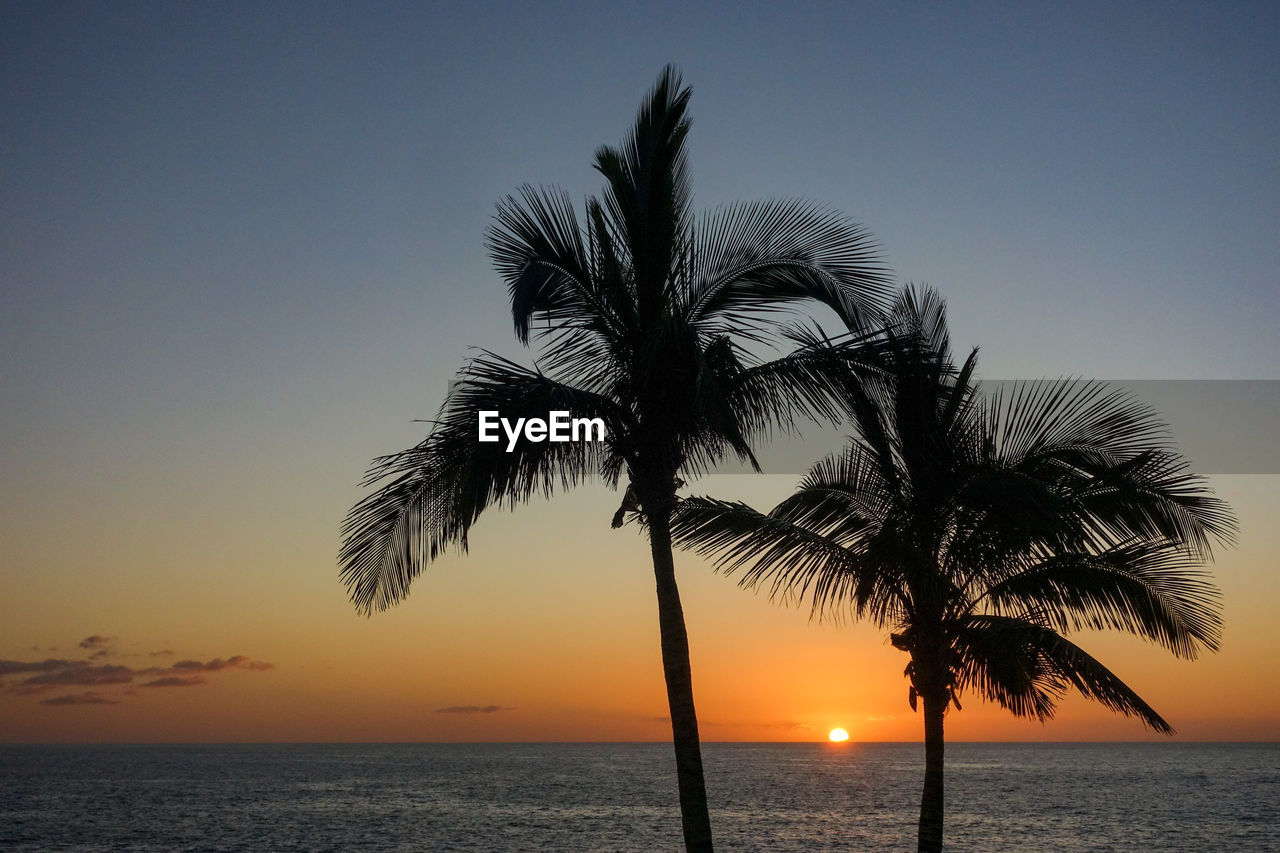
{"x": 979, "y": 530}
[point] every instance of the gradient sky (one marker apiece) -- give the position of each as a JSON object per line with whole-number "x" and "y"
{"x": 240, "y": 252}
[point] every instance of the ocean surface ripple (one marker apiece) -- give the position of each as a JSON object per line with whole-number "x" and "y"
{"x": 621, "y": 797}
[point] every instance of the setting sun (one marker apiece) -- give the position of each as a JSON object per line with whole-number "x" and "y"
{"x": 838, "y": 736}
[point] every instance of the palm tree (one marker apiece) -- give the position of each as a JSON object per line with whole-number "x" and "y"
{"x": 650, "y": 321}
{"x": 980, "y": 530}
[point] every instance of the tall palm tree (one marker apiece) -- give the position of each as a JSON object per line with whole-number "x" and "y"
{"x": 980, "y": 530}
{"x": 648, "y": 320}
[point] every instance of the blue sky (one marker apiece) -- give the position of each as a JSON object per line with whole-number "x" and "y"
{"x": 240, "y": 209}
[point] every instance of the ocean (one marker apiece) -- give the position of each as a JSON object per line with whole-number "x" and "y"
{"x": 621, "y": 797}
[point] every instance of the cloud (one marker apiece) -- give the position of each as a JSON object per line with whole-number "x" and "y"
{"x": 472, "y": 709}
{"x": 176, "y": 681}
{"x": 79, "y": 673}
{"x": 14, "y": 667}
{"x": 217, "y": 664}
{"x": 80, "y": 699}
{"x": 163, "y": 653}
{"x": 52, "y": 673}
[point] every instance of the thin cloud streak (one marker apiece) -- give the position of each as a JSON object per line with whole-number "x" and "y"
{"x": 14, "y": 667}
{"x": 473, "y": 709}
{"x": 217, "y": 664}
{"x": 80, "y": 699}
{"x": 176, "y": 681}
{"x": 81, "y": 673}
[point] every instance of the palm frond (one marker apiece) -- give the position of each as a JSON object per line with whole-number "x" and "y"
{"x": 755, "y": 259}
{"x": 794, "y": 563}
{"x": 919, "y": 318}
{"x": 648, "y": 193}
{"x": 725, "y": 422}
{"x": 1152, "y": 590}
{"x": 432, "y": 493}
{"x": 537, "y": 247}
{"x": 615, "y": 279}
{"x": 841, "y": 497}
{"x": 1002, "y": 514}
{"x": 808, "y": 383}
{"x": 1153, "y": 495}
{"x": 1111, "y": 455}
{"x": 1027, "y": 667}
{"x": 391, "y": 534}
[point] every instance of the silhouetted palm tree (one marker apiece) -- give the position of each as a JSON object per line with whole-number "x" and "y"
{"x": 979, "y": 530}
{"x": 644, "y": 316}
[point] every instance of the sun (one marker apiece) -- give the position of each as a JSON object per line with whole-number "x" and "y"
{"x": 838, "y": 736}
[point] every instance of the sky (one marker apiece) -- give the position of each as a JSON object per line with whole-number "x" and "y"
{"x": 241, "y": 255}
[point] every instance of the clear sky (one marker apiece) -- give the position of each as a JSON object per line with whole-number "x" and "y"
{"x": 240, "y": 252}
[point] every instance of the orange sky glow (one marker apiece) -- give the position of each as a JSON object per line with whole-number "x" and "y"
{"x": 546, "y": 631}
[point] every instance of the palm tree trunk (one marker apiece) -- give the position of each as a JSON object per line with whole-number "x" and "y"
{"x": 931, "y": 802}
{"x": 675, "y": 665}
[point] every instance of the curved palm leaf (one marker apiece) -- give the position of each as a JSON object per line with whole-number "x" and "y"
{"x": 1111, "y": 455}
{"x": 1026, "y": 667}
{"x": 805, "y": 384}
{"x": 537, "y": 248}
{"x": 793, "y": 562}
{"x": 840, "y": 497}
{"x": 648, "y": 192}
{"x": 1152, "y": 590}
{"x": 753, "y": 260}
{"x": 439, "y": 488}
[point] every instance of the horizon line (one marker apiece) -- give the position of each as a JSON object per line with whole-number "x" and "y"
{"x": 841, "y": 745}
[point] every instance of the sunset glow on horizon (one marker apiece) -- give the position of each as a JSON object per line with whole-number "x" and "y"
{"x": 456, "y": 662}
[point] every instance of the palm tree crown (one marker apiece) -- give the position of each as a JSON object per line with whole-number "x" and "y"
{"x": 979, "y": 530}
{"x": 645, "y": 317}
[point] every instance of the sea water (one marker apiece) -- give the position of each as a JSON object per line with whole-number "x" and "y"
{"x": 622, "y": 797}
